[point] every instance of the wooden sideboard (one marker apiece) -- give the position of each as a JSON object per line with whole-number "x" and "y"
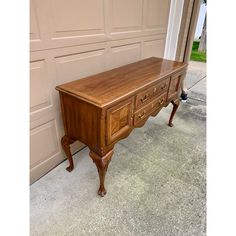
{"x": 102, "y": 109}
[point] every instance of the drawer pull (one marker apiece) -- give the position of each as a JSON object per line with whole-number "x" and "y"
{"x": 161, "y": 101}
{"x": 163, "y": 86}
{"x": 143, "y": 99}
{"x": 155, "y": 89}
{"x": 140, "y": 116}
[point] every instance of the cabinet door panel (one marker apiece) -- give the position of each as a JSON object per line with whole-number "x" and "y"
{"x": 119, "y": 120}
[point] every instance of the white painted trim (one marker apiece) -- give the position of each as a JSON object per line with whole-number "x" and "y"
{"x": 175, "y": 16}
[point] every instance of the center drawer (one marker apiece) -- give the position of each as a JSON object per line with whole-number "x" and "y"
{"x": 144, "y": 97}
{"x": 144, "y": 112}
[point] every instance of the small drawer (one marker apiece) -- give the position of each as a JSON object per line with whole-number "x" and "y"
{"x": 142, "y": 113}
{"x": 161, "y": 87}
{"x": 159, "y": 102}
{"x": 143, "y": 98}
{"x": 149, "y": 108}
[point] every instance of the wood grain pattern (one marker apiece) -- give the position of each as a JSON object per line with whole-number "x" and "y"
{"x": 149, "y": 108}
{"x": 122, "y": 81}
{"x": 102, "y": 165}
{"x": 152, "y": 92}
{"x": 102, "y": 109}
{"x": 119, "y": 120}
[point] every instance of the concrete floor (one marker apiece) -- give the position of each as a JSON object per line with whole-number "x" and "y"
{"x": 156, "y": 181}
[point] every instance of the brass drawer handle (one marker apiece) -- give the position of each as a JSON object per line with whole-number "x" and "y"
{"x": 163, "y": 86}
{"x": 155, "y": 89}
{"x": 140, "y": 116}
{"x": 143, "y": 99}
{"x": 161, "y": 101}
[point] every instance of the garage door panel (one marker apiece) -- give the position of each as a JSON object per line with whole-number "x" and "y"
{"x": 39, "y": 25}
{"x": 124, "y": 54}
{"x": 34, "y": 29}
{"x": 36, "y": 40}
{"x": 77, "y": 17}
{"x": 153, "y": 48}
{"x": 156, "y": 13}
{"x": 45, "y": 166}
{"x": 43, "y": 143}
{"x": 39, "y": 86}
{"x": 71, "y": 67}
{"x": 76, "y": 21}
{"x": 125, "y": 18}
{"x": 126, "y": 14}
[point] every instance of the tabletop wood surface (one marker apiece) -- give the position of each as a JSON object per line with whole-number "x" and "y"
{"x": 107, "y": 87}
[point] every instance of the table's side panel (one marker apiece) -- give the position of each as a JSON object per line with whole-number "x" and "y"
{"x": 119, "y": 120}
{"x": 175, "y": 84}
{"x": 82, "y": 121}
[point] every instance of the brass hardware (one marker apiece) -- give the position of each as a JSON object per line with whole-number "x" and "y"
{"x": 140, "y": 116}
{"x": 143, "y": 99}
{"x": 155, "y": 89}
{"x": 161, "y": 101}
{"x": 163, "y": 86}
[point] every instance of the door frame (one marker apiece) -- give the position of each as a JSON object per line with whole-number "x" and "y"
{"x": 174, "y": 24}
{"x": 183, "y": 17}
{"x": 188, "y": 25}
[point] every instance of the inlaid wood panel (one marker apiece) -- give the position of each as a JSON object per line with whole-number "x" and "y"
{"x": 119, "y": 120}
{"x": 39, "y": 86}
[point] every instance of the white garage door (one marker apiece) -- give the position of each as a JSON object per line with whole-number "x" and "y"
{"x": 71, "y": 39}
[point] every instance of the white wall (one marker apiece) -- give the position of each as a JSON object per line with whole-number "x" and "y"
{"x": 200, "y": 22}
{"x": 176, "y": 10}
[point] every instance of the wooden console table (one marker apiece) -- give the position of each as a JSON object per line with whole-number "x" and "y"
{"x": 102, "y": 109}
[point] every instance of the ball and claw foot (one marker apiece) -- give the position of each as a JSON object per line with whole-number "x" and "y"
{"x": 65, "y": 142}
{"x": 102, "y": 191}
{"x": 69, "y": 168}
{"x": 102, "y": 165}
{"x": 171, "y": 124}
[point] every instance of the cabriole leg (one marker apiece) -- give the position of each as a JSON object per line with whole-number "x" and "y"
{"x": 102, "y": 164}
{"x": 175, "y": 107}
{"x": 65, "y": 142}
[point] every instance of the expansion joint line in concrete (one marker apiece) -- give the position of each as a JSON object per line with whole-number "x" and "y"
{"x": 197, "y": 99}
{"x": 197, "y": 82}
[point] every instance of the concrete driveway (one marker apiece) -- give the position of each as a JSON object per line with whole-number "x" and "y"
{"x": 196, "y": 80}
